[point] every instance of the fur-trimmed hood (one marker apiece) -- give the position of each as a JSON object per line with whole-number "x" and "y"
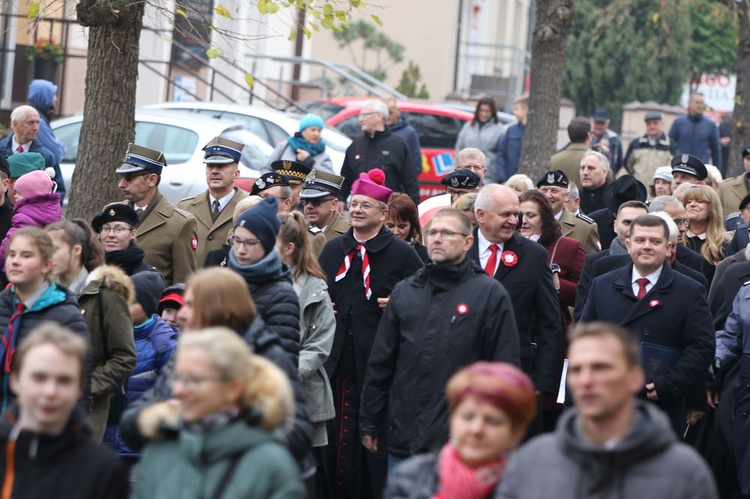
{"x": 112, "y": 278}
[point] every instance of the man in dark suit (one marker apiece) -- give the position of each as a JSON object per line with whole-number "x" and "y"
{"x": 627, "y": 212}
{"x": 663, "y": 308}
{"x": 625, "y": 188}
{"x": 521, "y": 266}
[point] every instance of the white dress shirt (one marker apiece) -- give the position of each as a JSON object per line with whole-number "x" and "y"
{"x": 652, "y": 278}
{"x": 485, "y": 252}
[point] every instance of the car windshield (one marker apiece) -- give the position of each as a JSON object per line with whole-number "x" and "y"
{"x": 256, "y": 152}
{"x": 178, "y": 144}
{"x": 324, "y": 109}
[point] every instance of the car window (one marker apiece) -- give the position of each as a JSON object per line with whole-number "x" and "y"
{"x": 350, "y": 127}
{"x": 435, "y": 131}
{"x": 335, "y": 139}
{"x": 324, "y": 109}
{"x": 278, "y": 135}
{"x": 178, "y": 144}
{"x": 70, "y": 136}
{"x": 255, "y": 153}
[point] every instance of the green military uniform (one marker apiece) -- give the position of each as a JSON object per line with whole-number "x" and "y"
{"x": 582, "y": 228}
{"x": 731, "y": 192}
{"x": 337, "y": 225}
{"x": 569, "y": 162}
{"x": 168, "y": 236}
{"x": 211, "y": 234}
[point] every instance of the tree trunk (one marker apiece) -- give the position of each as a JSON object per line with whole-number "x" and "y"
{"x": 109, "y": 107}
{"x": 554, "y": 22}
{"x": 741, "y": 114}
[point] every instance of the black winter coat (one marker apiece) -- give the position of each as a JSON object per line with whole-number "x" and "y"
{"x": 69, "y": 465}
{"x": 438, "y": 321}
{"x": 391, "y": 260}
{"x": 263, "y": 342}
{"x": 386, "y": 151}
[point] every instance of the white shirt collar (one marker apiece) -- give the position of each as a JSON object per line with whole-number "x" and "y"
{"x": 652, "y": 277}
{"x": 25, "y": 146}
{"x": 223, "y": 202}
{"x": 484, "y": 244}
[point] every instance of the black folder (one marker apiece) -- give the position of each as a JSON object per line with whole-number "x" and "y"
{"x": 657, "y": 359}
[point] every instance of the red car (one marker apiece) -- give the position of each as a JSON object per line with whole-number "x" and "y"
{"x": 437, "y": 127}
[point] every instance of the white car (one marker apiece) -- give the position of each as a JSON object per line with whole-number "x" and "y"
{"x": 273, "y": 126}
{"x": 181, "y": 138}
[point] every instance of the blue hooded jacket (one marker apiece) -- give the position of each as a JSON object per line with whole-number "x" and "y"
{"x": 41, "y": 93}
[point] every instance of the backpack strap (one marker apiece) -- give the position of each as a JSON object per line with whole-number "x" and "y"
{"x": 219, "y": 492}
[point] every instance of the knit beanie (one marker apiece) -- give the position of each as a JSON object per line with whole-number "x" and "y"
{"x": 34, "y": 183}
{"x": 309, "y": 120}
{"x": 149, "y": 286}
{"x": 21, "y": 163}
{"x": 263, "y": 221}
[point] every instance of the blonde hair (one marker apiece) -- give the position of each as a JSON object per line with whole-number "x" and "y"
{"x": 266, "y": 387}
{"x": 243, "y": 204}
{"x": 713, "y": 248}
{"x": 520, "y": 180}
{"x": 60, "y": 337}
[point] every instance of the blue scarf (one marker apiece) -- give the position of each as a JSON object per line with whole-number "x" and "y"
{"x": 269, "y": 265}
{"x": 297, "y": 142}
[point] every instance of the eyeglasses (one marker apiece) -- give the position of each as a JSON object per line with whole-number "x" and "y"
{"x": 432, "y": 234}
{"x": 365, "y": 206}
{"x": 317, "y": 202}
{"x": 681, "y": 221}
{"x": 245, "y": 243}
{"x": 191, "y": 381}
{"x": 117, "y": 230}
{"x": 474, "y": 168}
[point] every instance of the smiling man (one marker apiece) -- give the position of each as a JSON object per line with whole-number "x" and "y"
{"x": 611, "y": 444}
{"x": 363, "y": 266}
{"x": 520, "y": 265}
{"x": 213, "y": 209}
{"x": 661, "y": 307}
{"x": 167, "y": 234}
{"x": 461, "y": 313}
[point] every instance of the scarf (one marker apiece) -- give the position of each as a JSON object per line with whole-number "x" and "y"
{"x": 127, "y": 259}
{"x": 268, "y": 266}
{"x": 213, "y": 422}
{"x": 617, "y": 248}
{"x": 297, "y": 142}
{"x": 458, "y": 481}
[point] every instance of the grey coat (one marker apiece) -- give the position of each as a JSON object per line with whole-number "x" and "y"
{"x": 320, "y": 162}
{"x": 648, "y": 463}
{"x": 317, "y": 329}
{"x": 485, "y": 139}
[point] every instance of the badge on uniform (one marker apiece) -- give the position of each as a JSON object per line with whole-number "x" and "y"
{"x": 112, "y": 213}
{"x": 194, "y": 243}
{"x": 454, "y": 182}
{"x": 684, "y": 158}
{"x": 550, "y": 178}
{"x": 260, "y": 183}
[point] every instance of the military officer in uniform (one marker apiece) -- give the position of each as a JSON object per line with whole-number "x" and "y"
{"x": 276, "y": 185}
{"x": 320, "y": 197}
{"x": 167, "y": 234}
{"x": 213, "y": 209}
{"x": 687, "y": 168}
{"x": 734, "y": 189}
{"x": 554, "y": 186}
{"x": 296, "y": 173}
{"x": 460, "y": 182}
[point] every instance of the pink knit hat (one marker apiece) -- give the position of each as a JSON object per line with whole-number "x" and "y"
{"x": 371, "y": 184}
{"x": 33, "y": 183}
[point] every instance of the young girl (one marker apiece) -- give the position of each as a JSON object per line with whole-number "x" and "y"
{"x": 104, "y": 295}
{"x": 403, "y": 221}
{"x": 32, "y": 298}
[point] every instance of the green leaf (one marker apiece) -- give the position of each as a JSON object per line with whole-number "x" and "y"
{"x": 181, "y": 13}
{"x": 212, "y": 53}
{"x": 33, "y": 10}
{"x": 262, "y": 7}
{"x": 249, "y": 79}
{"x": 292, "y": 34}
{"x": 222, "y": 11}
{"x": 307, "y": 32}
{"x": 377, "y": 20}
{"x": 273, "y": 7}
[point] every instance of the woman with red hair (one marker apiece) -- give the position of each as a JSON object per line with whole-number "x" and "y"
{"x": 491, "y": 405}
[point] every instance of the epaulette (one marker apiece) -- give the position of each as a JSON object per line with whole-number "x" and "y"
{"x": 585, "y": 218}
{"x": 184, "y": 213}
{"x": 314, "y": 230}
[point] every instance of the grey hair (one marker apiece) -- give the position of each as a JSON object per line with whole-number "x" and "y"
{"x": 378, "y": 106}
{"x": 603, "y": 161}
{"x": 660, "y": 203}
{"x": 674, "y": 232}
{"x": 19, "y": 114}
{"x": 573, "y": 190}
{"x": 484, "y": 198}
{"x": 470, "y": 152}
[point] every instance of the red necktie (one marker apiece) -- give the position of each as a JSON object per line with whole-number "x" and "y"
{"x": 365, "y": 268}
{"x": 20, "y": 149}
{"x": 642, "y": 282}
{"x": 489, "y": 268}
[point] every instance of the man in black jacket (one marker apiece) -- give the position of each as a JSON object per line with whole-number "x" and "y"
{"x": 447, "y": 316}
{"x": 378, "y": 147}
{"x": 363, "y": 266}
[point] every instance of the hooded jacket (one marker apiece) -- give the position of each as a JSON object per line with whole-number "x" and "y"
{"x": 108, "y": 290}
{"x": 648, "y": 463}
{"x": 41, "y": 94}
{"x": 67, "y": 465}
{"x": 34, "y": 211}
{"x": 194, "y": 465}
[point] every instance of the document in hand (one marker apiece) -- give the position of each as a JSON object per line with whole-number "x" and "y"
{"x": 657, "y": 359}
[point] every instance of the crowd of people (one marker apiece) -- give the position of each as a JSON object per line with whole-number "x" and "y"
{"x": 576, "y": 335}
